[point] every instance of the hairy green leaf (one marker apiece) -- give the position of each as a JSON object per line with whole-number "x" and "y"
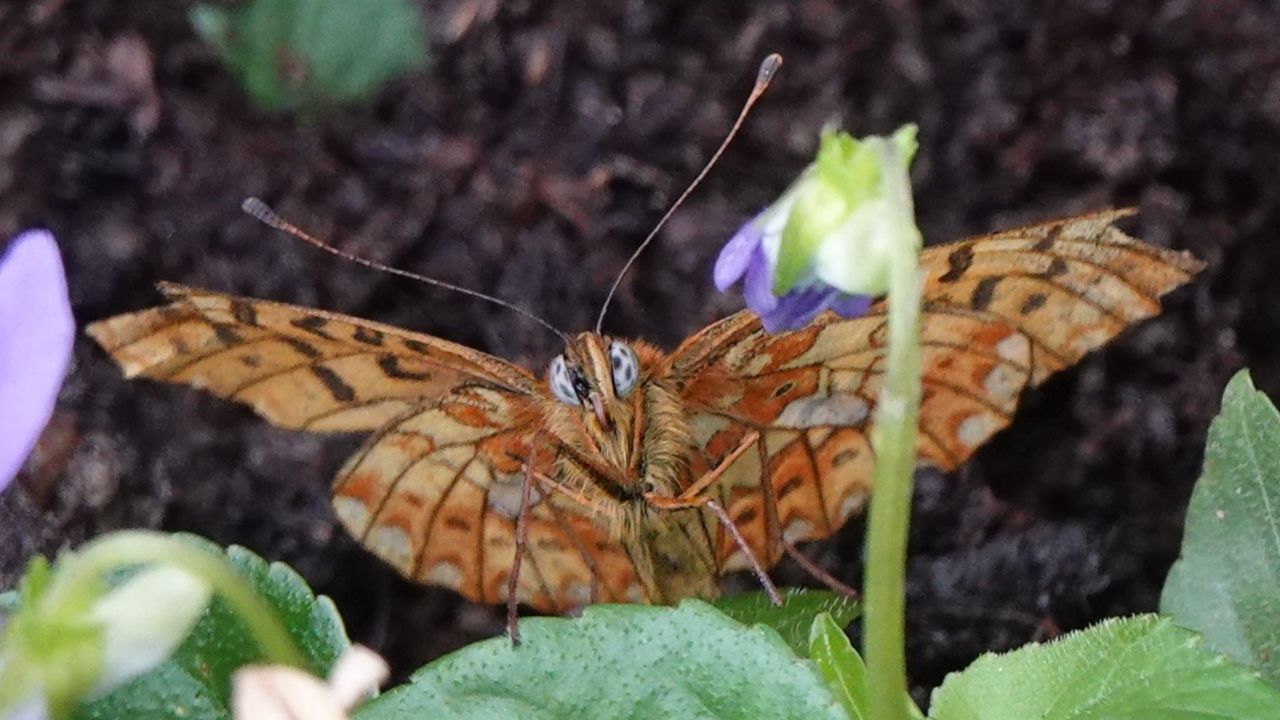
{"x": 618, "y": 661}
{"x": 794, "y": 619}
{"x": 1139, "y": 667}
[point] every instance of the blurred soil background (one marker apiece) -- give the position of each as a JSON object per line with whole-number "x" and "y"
{"x": 532, "y": 155}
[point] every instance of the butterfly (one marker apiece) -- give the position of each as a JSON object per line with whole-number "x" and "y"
{"x": 628, "y": 474}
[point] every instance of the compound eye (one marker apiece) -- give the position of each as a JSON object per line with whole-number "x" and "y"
{"x": 561, "y": 381}
{"x": 626, "y": 367}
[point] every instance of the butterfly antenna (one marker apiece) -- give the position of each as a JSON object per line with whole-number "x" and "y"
{"x": 768, "y": 68}
{"x": 263, "y": 213}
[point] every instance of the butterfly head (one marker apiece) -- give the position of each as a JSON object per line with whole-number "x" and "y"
{"x": 596, "y": 374}
{"x": 611, "y": 401}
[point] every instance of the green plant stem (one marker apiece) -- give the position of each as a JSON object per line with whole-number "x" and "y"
{"x": 894, "y": 441}
{"x": 96, "y": 559}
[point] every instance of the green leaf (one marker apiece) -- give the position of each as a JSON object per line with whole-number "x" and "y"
{"x": 840, "y": 664}
{"x": 289, "y": 54}
{"x": 1226, "y": 584}
{"x": 795, "y": 617}
{"x": 1139, "y": 667}
{"x": 195, "y": 683}
{"x": 618, "y": 661}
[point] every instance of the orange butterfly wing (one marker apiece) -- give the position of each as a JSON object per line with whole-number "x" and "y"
{"x": 435, "y": 490}
{"x": 436, "y": 494}
{"x": 297, "y": 367}
{"x": 1002, "y": 312}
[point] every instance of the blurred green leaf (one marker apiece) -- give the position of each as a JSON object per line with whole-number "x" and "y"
{"x": 297, "y": 54}
{"x": 840, "y": 664}
{"x": 195, "y": 683}
{"x": 1226, "y": 584}
{"x": 618, "y": 661}
{"x": 794, "y": 619}
{"x": 1139, "y": 667}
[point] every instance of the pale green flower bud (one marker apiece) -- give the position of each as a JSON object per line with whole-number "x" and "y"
{"x": 145, "y": 620}
{"x": 838, "y": 229}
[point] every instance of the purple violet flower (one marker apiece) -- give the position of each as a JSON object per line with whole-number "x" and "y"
{"x": 829, "y": 241}
{"x": 36, "y": 332}
{"x": 746, "y": 257}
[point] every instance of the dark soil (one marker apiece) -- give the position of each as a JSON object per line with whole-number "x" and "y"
{"x": 532, "y": 156}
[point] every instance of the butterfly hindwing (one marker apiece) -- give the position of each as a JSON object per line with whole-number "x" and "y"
{"x": 436, "y": 494}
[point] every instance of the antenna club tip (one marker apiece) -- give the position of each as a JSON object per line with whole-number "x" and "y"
{"x": 260, "y": 211}
{"x": 768, "y": 68}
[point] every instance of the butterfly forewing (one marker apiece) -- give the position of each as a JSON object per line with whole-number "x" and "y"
{"x": 297, "y": 367}
{"x": 1001, "y": 313}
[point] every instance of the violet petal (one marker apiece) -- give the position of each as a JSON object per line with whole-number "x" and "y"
{"x": 736, "y": 255}
{"x": 36, "y": 332}
{"x": 797, "y": 309}
{"x": 757, "y": 287}
{"x": 851, "y": 306}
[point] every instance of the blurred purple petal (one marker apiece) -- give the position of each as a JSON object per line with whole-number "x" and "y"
{"x": 737, "y": 255}
{"x": 851, "y": 305}
{"x": 36, "y": 331}
{"x": 757, "y": 287}
{"x": 795, "y": 309}
{"x": 799, "y": 307}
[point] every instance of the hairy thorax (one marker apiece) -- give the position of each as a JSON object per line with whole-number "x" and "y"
{"x": 646, "y": 451}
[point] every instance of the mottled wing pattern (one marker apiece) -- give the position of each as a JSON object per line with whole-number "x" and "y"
{"x": 436, "y": 488}
{"x": 1002, "y": 312}
{"x": 297, "y": 367}
{"x": 436, "y": 494}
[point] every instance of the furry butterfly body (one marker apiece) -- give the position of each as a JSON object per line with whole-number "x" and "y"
{"x": 625, "y": 448}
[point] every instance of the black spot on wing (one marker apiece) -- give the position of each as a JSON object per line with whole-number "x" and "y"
{"x": 390, "y": 365}
{"x": 1034, "y": 302}
{"x": 844, "y": 456}
{"x": 958, "y": 263}
{"x": 983, "y": 293}
{"x": 313, "y": 324}
{"x": 227, "y": 334}
{"x": 1045, "y": 243}
{"x": 338, "y": 388}
{"x": 302, "y": 347}
{"x": 244, "y": 312}
{"x": 1057, "y": 267}
{"x": 417, "y": 346}
{"x": 791, "y": 485}
{"x": 368, "y": 336}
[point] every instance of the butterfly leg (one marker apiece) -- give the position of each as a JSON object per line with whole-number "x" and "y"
{"x": 706, "y": 480}
{"x": 679, "y": 503}
{"x": 547, "y": 483}
{"x": 816, "y": 571}
{"x": 690, "y": 498}
{"x": 522, "y": 538}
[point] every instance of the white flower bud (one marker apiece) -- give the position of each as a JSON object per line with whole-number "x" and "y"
{"x": 145, "y": 620}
